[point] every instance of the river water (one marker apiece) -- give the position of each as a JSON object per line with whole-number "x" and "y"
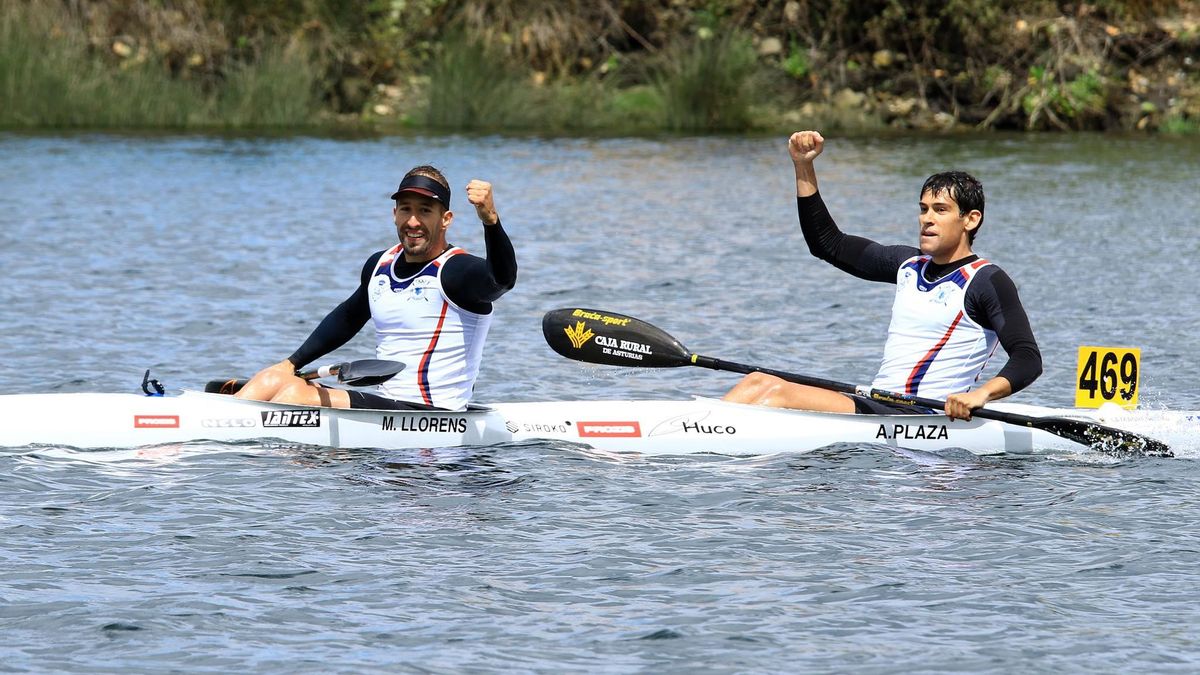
{"x": 203, "y": 257}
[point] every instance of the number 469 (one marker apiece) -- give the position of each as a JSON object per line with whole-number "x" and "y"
{"x": 1107, "y": 374}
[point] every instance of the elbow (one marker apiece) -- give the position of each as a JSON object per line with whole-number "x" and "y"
{"x": 820, "y": 253}
{"x": 1035, "y": 366}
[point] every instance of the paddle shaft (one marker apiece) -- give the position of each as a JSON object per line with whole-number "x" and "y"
{"x": 324, "y": 371}
{"x": 877, "y": 394}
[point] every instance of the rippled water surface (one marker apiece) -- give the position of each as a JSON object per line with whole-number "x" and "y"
{"x": 208, "y": 257}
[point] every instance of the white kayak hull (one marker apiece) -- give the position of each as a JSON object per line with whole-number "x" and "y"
{"x": 650, "y": 427}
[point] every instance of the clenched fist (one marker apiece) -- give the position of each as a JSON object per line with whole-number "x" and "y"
{"x": 479, "y": 193}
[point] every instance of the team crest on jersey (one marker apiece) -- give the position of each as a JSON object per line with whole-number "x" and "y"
{"x": 942, "y": 295}
{"x": 423, "y": 289}
{"x": 381, "y": 282}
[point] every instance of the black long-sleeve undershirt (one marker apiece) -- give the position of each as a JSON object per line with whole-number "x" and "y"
{"x": 991, "y": 300}
{"x": 470, "y": 282}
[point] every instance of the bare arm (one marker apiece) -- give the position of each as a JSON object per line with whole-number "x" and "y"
{"x": 804, "y": 146}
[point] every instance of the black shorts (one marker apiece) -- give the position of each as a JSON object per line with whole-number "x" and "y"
{"x": 368, "y": 401}
{"x": 868, "y": 406}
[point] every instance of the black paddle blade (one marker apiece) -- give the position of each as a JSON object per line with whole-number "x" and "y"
{"x": 1108, "y": 440}
{"x": 610, "y": 339}
{"x": 367, "y": 372}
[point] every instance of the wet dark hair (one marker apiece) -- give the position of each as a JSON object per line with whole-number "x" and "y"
{"x": 964, "y": 189}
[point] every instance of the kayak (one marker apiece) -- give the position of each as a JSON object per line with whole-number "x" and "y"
{"x": 650, "y": 427}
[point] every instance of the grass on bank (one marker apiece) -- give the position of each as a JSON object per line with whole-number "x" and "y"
{"x": 696, "y": 86}
{"x": 472, "y": 86}
{"x": 707, "y": 84}
{"x": 52, "y": 77}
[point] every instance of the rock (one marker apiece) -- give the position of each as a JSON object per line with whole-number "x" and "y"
{"x": 389, "y": 91}
{"x": 848, "y": 98}
{"x": 791, "y": 12}
{"x": 770, "y": 46}
{"x": 902, "y": 107}
{"x": 883, "y": 58}
{"x": 1138, "y": 83}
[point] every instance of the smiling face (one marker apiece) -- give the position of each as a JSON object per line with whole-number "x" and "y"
{"x": 944, "y": 228}
{"x": 421, "y": 224}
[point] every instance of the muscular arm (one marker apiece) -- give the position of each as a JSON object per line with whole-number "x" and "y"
{"x": 341, "y": 324}
{"x": 473, "y": 283}
{"x": 859, "y": 256}
{"x": 992, "y": 302}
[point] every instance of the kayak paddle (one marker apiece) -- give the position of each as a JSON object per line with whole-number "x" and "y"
{"x": 361, "y": 373}
{"x": 607, "y": 338}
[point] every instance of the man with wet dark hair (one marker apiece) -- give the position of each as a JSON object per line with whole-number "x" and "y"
{"x": 952, "y": 308}
{"x": 430, "y": 302}
{"x": 964, "y": 189}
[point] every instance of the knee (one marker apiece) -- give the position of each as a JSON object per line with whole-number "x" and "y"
{"x": 272, "y": 380}
{"x": 754, "y": 388}
{"x": 296, "y": 391}
{"x": 761, "y": 383}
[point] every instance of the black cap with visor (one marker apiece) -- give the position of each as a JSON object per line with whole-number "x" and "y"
{"x": 424, "y": 185}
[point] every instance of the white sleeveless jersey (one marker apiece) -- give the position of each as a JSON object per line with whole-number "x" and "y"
{"x": 415, "y": 323}
{"x": 933, "y": 348}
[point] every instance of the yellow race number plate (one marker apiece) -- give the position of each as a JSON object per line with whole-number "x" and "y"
{"x": 1107, "y": 374}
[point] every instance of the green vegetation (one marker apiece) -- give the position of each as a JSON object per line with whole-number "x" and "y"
{"x": 706, "y": 85}
{"x": 601, "y": 66}
{"x": 49, "y": 78}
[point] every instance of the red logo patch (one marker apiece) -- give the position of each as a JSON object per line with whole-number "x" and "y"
{"x": 609, "y": 429}
{"x": 156, "y": 421}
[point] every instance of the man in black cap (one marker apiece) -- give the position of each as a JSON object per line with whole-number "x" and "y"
{"x": 430, "y": 301}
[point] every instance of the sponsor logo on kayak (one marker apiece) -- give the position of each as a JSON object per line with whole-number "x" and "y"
{"x": 291, "y": 418}
{"x": 691, "y": 423}
{"x": 424, "y": 424}
{"x": 609, "y": 429}
{"x": 578, "y": 334}
{"x": 626, "y": 349}
{"x": 229, "y": 423}
{"x": 534, "y": 428}
{"x": 697, "y": 428}
{"x": 156, "y": 421}
{"x": 912, "y": 432}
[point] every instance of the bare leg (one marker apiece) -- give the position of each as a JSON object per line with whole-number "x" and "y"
{"x": 768, "y": 390}
{"x": 279, "y": 384}
{"x": 307, "y": 393}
